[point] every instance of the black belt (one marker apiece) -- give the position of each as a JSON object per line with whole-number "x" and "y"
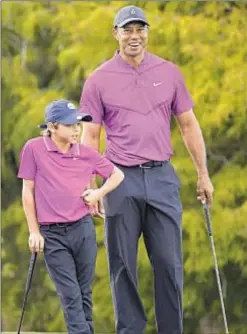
{"x": 151, "y": 164}
{"x": 62, "y": 225}
{"x": 148, "y": 164}
{"x": 58, "y": 225}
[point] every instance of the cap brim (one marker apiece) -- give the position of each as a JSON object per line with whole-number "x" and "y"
{"x": 72, "y": 119}
{"x": 42, "y": 126}
{"x": 75, "y": 118}
{"x": 84, "y": 117}
{"x": 132, "y": 19}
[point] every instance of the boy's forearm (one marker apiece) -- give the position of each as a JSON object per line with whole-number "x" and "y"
{"x": 30, "y": 210}
{"x": 112, "y": 182}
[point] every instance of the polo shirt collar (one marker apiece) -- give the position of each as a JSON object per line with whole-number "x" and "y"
{"x": 122, "y": 62}
{"x": 51, "y": 147}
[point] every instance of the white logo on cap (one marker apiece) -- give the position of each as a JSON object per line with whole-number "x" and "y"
{"x": 132, "y": 12}
{"x": 78, "y": 117}
{"x": 71, "y": 106}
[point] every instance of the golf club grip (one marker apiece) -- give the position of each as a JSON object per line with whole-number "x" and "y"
{"x": 30, "y": 270}
{"x": 208, "y": 220}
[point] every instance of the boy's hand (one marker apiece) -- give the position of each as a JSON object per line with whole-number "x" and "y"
{"x": 91, "y": 196}
{"x": 36, "y": 242}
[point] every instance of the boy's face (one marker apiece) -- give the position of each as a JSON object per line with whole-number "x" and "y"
{"x": 66, "y": 133}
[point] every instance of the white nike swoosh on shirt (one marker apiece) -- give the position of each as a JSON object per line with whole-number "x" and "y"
{"x": 157, "y": 83}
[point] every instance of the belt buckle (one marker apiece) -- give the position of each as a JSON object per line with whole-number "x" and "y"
{"x": 145, "y": 167}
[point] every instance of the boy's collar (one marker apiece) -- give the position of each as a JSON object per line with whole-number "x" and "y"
{"x": 51, "y": 147}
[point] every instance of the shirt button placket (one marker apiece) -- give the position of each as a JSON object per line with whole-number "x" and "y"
{"x": 138, "y": 80}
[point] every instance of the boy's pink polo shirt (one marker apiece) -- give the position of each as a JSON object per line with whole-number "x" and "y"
{"x": 59, "y": 178}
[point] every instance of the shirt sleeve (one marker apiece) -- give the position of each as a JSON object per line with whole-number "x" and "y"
{"x": 91, "y": 102}
{"x": 28, "y": 167}
{"x": 182, "y": 100}
{"x": 103, "y": 166}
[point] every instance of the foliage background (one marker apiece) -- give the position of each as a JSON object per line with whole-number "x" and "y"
{"x": 48, "y": 50}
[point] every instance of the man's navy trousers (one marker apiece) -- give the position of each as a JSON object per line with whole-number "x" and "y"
{"x": 147, "y": 202}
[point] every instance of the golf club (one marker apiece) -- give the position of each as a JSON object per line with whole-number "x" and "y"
{"x": 28, "y": 285}
{"x": 210, "y": 234}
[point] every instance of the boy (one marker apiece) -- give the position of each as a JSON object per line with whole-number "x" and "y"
{"x": 56, "y": 170}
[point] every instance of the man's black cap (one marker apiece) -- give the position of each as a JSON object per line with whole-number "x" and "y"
{"x": 129, "y": 14}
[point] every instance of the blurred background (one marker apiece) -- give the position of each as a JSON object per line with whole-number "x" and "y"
{"x": 48, "y": 50}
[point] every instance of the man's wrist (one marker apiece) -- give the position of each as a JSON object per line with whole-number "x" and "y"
{"x": 202, "y": 173}
{"x": 34, "y": 229}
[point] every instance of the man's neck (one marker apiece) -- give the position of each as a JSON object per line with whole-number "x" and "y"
{"x": 61, "y": 145}
{"x": 134, "y": 61}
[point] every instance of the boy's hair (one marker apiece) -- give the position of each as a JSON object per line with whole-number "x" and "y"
{"x": 47, "y": 132}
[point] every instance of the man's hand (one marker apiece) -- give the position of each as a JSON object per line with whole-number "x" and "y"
{"x": 91, "y": 197}
{"x": 36, "y": 242}
{"x": 98, "y": 209}
{"x": 101, "y": 211}
{"x": 205, "y": 189}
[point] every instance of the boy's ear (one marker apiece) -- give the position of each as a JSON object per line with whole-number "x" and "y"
{"x": 51, "y": 127}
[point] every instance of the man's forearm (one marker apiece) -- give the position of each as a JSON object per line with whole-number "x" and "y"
{"x": 93, "y": 183}
{"x": 90, "y": 140}
{"x": 194, "y": 142}
{"x": 30, "y": 210}
{"x": 91, "y": 137}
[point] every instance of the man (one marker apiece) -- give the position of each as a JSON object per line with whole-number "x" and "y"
{"x": 56, "y": 170}
{"x": 133, "y": 95}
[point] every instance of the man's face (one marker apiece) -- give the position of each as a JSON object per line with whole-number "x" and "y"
{"x": 132, "y": 38}
{"x": 66, "y": 133}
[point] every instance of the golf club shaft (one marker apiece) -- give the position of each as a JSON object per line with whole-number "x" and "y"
{"x": 30, "y": 271}
{"x": 210, "y": 233}
{"x": 219, "y": 284}
{"x": 22, "y": 314}
{"x": 28, "y": 285}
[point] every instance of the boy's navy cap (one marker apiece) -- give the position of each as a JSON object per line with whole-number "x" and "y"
{"x": 129, "y": 14}
{"x": 63, "y": 112}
